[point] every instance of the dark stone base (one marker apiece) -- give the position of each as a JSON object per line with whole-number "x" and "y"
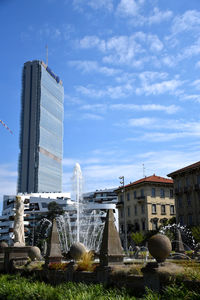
{"x": 106, "y": 260}
{"x": 19, "y": 254}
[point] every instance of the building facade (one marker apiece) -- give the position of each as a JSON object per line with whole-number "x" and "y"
{"x": 41, "y": 135}
{"x": 145, "y": 204}
{"x": 35, "y": 208}
{"x": 187, "y": 194}
{"x": 103, "y": 200}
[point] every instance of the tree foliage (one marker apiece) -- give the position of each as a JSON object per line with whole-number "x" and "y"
{"x": 196, "y": 233}
{"x": 54, "y": 210}
{"x": 138, "y": 238}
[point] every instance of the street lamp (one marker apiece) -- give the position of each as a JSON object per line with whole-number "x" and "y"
{"x": 125, "y": 223}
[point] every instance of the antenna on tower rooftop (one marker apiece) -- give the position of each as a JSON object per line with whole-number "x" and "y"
{"x": 47, "y": 55}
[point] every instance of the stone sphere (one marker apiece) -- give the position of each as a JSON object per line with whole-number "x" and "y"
{"x": 159, "y": 246}
{"x": 34, "y": 253}
{"x": 3, "y": 245}
{"x": 77, "y": 250}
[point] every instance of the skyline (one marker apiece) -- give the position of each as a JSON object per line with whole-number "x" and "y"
{"x": 130, "y": 71}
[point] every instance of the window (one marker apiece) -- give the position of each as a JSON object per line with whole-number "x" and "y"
{"x": 142, "y": 192}
{"x": 163, "y": 212}
{"x": 135, "y": 210}
{"x": 178, "y": 184}
{"x": 190, "y": 220}
{"x": 181, "y": 220}
{"x": 129, "y": 213}
{"x": 162, "y": 193}
{"x": 187, "y": 181}
{"x": 153, "y": 192}
{"x": 128, "y": 196}
{"x": 171, "y": 193}
{"x": 143, "y": 225}
{"x": 155, "y": 224}
{"x": 135, "y": 194}
{"x": 188, "y": 200}
{"x": 122, "y": 228}
{"x": 122, "y": 213}
{"x": 142, "y": 209}
{"x": 198, "y": 179}
{"x": 153, "y": 208}
{"x": 172, "y": 210}
{"x": 121, "y": 198}
{"x": 179, "y": 202}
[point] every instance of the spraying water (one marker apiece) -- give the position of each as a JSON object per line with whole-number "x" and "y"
{"x": 78, "y": 189}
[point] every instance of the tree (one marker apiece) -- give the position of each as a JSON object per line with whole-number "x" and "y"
{"x": 137, "y": 237}
{"x": 196, "y": 233}
{"x": 54, "y": 210}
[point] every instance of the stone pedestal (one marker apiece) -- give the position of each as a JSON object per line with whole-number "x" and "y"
{"x": 53, "y": 247}
{"x": 178, "y": 243}
{"x": 18, "y": 254}
{"x": 156, "y": 275}
{"x": 111, "y": 251}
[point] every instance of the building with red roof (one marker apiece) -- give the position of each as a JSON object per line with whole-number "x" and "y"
{"x": 145, "y": 204}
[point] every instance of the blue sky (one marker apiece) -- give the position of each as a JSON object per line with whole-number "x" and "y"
{"x": 130, "y": 70}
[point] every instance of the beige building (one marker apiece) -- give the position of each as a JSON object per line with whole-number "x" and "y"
{"x": 148, "y": 203}
{"x": 187, "y": 194}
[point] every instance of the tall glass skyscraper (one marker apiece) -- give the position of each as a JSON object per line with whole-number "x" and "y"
{"x": 41, "y": 136}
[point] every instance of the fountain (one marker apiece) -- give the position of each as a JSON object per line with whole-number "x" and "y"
{"x": 81, "y": 223}
{"x": 179, "y": 235}
{"x": 77, "y": 188}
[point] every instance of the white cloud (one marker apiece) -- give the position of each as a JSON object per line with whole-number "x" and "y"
{"x": 189, "y": 21}
{"x": 168, "y": 86}
{"x": 197, "y": 64}
{"x": 102, "y": 108}
{"x": 91, "y": 42}
{"x": 164, "y": 162}
{"x": 93, "y": 66}
{"x": 128, "y": 8}
{"x": 196, "y": 84}
{"x": 159, "y": 16}
{"x": 94, "y": 4}
{"x": 141, "y": 122}
{"x": 129, "y": 50}
{"x": 123, "y": 49}
{"x": 95, "y": 107}
{"x": 193, "y": 97}
{"x": 109, "y": 91}
{"x": 155, "y": 43}
{"x": 149, "y": 76}
{"x": 190, "y": 51}
{"x": 169, "y": 61}
{"x": 192, "y": 127}
{"x": 90, "y": 116}
{"x": 170, "y": 109}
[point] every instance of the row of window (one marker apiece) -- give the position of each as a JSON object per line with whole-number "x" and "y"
{"x": 189, "y": 220}
{"x": 154, "y": 193}
{"x": 153, "y": 210}
{"x": 188, "y": 181}
{"x": 163, "y": 209}
{"x": 188, "y": 201}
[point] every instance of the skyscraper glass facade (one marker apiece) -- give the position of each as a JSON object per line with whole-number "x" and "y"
{"x": 41, "y": 139}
